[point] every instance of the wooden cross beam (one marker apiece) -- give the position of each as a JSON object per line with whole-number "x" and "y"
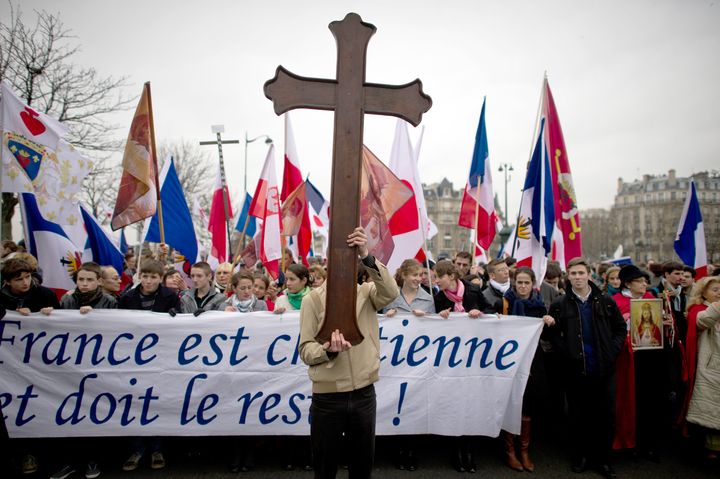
{"x": 350, "y": 97}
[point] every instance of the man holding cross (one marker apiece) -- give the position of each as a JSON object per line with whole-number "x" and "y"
{"x": 343, "y": 394}
{"x": 344, "y": 354}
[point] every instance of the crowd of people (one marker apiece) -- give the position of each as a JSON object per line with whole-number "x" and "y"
{"x": 585, "y": 372}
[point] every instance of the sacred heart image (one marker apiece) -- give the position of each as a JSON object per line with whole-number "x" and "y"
{"x": 29, "y": 117}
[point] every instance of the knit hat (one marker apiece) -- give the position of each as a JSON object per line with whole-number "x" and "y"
{"x": 631, "y": 272}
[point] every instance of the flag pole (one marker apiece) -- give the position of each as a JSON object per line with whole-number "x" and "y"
{"x": 425, "y": 250}
{"x": 240, "y": 245}
{"x": 155, "y": 163}
{"x": 477, "y": 215}
{"x": 532, "y": 144}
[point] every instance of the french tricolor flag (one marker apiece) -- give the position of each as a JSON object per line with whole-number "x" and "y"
{"x": 690, "y": 240}
{"x": 478, "y": 196}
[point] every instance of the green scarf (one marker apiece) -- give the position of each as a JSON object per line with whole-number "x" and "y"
{"x": 295, "y": 299}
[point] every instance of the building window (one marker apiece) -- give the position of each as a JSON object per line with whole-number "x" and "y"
{"x": 673, "y": 195}
{"x": 447, "y": 242}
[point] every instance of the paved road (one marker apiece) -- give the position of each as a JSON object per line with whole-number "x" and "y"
{"x": 210, "y": 461}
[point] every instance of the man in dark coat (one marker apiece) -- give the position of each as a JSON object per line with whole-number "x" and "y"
{"x": 588, "y": 336}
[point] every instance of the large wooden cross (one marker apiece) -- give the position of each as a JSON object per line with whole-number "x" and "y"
{"x": 351, "y": 98}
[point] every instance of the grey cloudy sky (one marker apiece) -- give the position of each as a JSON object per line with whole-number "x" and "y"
{"x": 637, "y": 84}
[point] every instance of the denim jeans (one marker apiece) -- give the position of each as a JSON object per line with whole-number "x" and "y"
{"x": 350, "y": 413}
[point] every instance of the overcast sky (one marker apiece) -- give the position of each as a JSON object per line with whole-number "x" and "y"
{"x": 636, "y": 84}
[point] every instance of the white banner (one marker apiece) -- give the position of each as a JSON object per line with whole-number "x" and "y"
{"x": 117, "y": 373}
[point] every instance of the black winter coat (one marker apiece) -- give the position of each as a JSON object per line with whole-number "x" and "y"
{"x": 165, "y": 300}
{"x": 609, "y": 331}
{"x": 472, "y": 299}
{"x": 37, "y": 298}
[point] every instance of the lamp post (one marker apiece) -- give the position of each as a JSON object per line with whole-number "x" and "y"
{"x": 268, "y": 140}
{"x": 505, "y": 232}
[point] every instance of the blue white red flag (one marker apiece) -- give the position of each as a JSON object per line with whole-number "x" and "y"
{"x": 177, "y": 220}
{"x": 245, "y": 217}
{"x": 478, "y": 195}
{"x": 535, "y": 225}
{"x": 57, "y": 255}
{"x": 103, "y": 249}
{"x": 690, "y": 240}
{"x": 319, "y": 213}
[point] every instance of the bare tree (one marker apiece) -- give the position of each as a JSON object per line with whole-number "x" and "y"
{"x": 36, "y": 61}
{"x": 193, "y": 166}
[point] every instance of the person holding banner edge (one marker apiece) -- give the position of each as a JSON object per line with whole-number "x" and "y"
{"x": 343, "y": 394}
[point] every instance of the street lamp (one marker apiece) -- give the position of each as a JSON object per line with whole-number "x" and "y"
{"x": 268, "y": 141}
{"x": 505, "y": 167}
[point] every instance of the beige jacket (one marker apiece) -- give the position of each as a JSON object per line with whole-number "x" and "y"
{"x": 358, "y": 367}
{"x": 705, "y": 403}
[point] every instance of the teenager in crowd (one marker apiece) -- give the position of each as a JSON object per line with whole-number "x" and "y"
{"x": 149, "y": 295}
{"x": 20, "y": 293}
{"x": 704, "y": 323}
{"x": 523, "y": 300}
{"x": 343, "y": 376}
{"x": 87, "y": 296}
{"x": 88, "y": 293}
{"x": 611, "y": 281}
{"x": 261, "y": 284}
{"x": 243, "y": 299}
{"x": 459, "y": 296}
{"x": 463, "y": 262}
{"x": 498, "y": 285}
{"x": 203, "y": 296}
{"x": 174, "y": 280}
{"x": 589, "y": 334}
{"x": 414, "y": 300}
{"x": 297, "y": 280}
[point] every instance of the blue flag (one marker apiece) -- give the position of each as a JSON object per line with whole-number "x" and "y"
{"x": 123, "y": 242}
{"x": 177, "y": 220}
{"x": 251, "y": 226}
{"x": 104, "y": 251}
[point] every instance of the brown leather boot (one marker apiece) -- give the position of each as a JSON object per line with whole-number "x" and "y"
{"x": 510, "y": 457}
{"x": 525, "y": 446}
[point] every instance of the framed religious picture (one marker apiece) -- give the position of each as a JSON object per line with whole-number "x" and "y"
{"x": 646, "y": 324}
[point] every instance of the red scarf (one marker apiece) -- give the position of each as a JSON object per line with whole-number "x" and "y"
{"x": 456, "y": 297}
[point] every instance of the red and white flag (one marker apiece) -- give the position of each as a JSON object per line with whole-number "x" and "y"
{"x": 217, "y": 224}
{"x": 292, "y": 179}
{"x": 409, "y": 225}
{"x": 266, "y": 206}
{"x": 199, "y": 212}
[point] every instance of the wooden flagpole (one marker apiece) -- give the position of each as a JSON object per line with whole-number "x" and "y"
{"x": 240, "y": 245}
{"x": 155, "y": 163}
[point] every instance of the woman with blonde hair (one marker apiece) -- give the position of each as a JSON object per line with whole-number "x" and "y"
{"x": 704, "y": 333}
{"x": 223, "y": 274}
{"x": 611, "y": 281}
{"x": 411, "y": 299}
